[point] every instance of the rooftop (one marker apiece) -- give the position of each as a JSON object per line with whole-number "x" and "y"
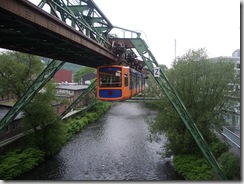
{"x": 73, "y": 87}
{"x": 4, "y": 110}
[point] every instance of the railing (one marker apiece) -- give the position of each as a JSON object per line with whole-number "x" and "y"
{"x": 233, "y": 134}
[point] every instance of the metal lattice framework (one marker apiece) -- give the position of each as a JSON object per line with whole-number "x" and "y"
{"x": 78, "y": 99}
{"x": 83, "y": 15}
{"x": 177, "y": 103}
{"x": 37, "y": 85}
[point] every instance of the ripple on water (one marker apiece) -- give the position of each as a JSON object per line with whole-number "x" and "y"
{"x": 114, "y": 148}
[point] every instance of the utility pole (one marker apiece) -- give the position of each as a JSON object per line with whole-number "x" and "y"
{"x": 175, "y": 48}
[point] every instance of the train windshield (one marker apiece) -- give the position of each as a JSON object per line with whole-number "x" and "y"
{"x": 110, "y": 77}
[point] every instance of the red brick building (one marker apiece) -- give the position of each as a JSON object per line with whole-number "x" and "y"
{"x": 69, "y": 92}
{"x": 63, "y": 76}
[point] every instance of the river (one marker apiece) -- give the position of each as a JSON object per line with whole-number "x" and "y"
{"x": 116, "y": 147}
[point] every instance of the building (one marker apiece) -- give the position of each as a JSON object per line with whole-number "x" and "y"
{"x": 63, "y": 76}
{"x": 67, "y": 93}
{"x": 231, "y": 114}
{"x": 236, "y": 53}
{"x": 234, "y": 119}
{"x": 14, "y": 128}
{"x": 231, "y": 132}
{"x": 85, "y": 79}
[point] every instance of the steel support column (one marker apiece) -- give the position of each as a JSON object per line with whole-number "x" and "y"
{"x": 78, "y": 99}
{"x": 178, "y": 105}
{"x": 41, "y": 80}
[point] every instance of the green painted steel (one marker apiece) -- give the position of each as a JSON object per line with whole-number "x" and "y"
{"x": 94, "y": 25}
{"x": 88, "y": 19}
{"x": 85, "y": 17}
{"x": 78, "y": 99}
{"x": 175, "y": 100}
{"x": 91, "y": 104}
{"x": 83, "y": 109}
{"x": 42, "y": 79}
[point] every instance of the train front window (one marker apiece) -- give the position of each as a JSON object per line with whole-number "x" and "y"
{"x": 110, "y": 77}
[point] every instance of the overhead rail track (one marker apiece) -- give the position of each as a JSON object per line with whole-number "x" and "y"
{"x": 27, "y": 28}
{"x": 79, "y": 33}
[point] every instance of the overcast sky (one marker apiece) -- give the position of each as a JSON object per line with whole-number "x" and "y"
{"x": 169, "y": 25}
{"x": 194, "y": 24}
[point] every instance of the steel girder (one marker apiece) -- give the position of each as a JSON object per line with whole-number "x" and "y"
{"x": 84, "y": 15}
{"x": 28, "y": 28}
{"x": 41, "y": 80}
{"x": 177, "y": 103}
{"x": 83, "y": 109}
{"x": 78, "y": 99}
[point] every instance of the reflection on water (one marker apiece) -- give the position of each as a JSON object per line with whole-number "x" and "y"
{"x": 114, "y": 148}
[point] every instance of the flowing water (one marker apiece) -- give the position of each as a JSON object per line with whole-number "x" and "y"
{"x": 116, "y": 147}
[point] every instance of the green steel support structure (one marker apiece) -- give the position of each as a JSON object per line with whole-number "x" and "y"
{"x": 83, "y": 109}
{"x": 41, "y": 80}
{"x": 88, "y": 18}
{"x": 78, "y": 99}
{"x": 85, "y": 16}
{"x": 93, "y": 24}
{"x": 175, "y": 100}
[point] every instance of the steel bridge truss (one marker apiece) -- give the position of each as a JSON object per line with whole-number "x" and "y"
{"x": 177, "y": 103}
{"x": 37, "y": 85}
{"x": 83, "y": 15}
{"x": 79, "y": 98}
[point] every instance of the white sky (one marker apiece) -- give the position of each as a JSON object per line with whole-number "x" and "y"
{"x": 213, "y": 24}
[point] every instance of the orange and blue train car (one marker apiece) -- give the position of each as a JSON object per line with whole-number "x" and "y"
{"x": 116, "y": 83}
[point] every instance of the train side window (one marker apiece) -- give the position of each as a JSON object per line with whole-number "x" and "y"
{"x": 126, "y": 79}
{"x": 110, "y": 77}
{"x": 132, "y": 81}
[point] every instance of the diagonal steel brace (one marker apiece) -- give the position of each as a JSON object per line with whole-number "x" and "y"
{"x": 41, "y": 80}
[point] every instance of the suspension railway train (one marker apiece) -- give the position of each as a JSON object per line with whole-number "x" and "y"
{"x": 116, "y": 83}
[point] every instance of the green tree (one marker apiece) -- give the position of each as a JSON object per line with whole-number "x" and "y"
{"x": 39, "y": 115}
{"x": 18, "y": 71}
{"x": 231, "y": 165}
{"x": 202, "y": 85}
{"x": 154, "y": 90}
{"x": 84, "y": 70}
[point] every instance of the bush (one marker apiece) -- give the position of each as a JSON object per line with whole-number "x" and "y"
{"x": 84, "y": 120}
{"x": 69, "y": 130}
{"x": 193, "y": 167}
{"x": 101, "y": 107}
{"x": 92, "y": 116}
{"x": 76, "y": 123}
{"x": 218, "y": 148}
{"x": 230, "y": 164}
{"x": 49, "y": 139}
{"x": 73, "y": 127}
{"x": 19, "y": 161}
